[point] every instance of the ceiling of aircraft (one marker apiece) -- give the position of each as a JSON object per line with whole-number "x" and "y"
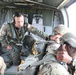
{"x": 38, "y": 4}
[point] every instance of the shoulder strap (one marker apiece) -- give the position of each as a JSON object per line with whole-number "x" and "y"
{"x": 12, "y": 30}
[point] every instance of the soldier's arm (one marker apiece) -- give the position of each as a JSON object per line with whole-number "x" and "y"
{"x": 3, "y": 32}
{"x": 41, "y": 33}
{"x": 3, "y": 65}
{"x": 37, "y": 32}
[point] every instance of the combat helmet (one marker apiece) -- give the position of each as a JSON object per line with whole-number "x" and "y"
{"x": 70, "y": 38}
{"x": 61, "y": 29}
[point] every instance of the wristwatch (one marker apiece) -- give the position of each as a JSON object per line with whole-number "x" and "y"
{"x": 73, "y": 62}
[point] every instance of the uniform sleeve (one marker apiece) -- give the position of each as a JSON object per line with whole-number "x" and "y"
{"x": 37, "y": 32}
{"x": 3, "y": 65}
{"x": 3, "y": 32}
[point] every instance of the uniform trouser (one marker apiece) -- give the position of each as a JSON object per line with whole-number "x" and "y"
{"x": 15, "y": 55}
{"x": 12, "y": 56}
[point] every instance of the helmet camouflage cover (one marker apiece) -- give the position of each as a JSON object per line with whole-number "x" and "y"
{"x": 61, "y": 29}
{"x": 70, "y": 38}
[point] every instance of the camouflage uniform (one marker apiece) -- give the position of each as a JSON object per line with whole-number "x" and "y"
{"x": 60, "y": 29}
{"x": 9, "y": 35}
{"x": 50, "y": 65}
{"x": 70, "y": 38}
{"x": 53, "y": 67}
{"x": 5, "y": 29}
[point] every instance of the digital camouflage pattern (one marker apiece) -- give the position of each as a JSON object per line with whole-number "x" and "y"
{"x": 52, "y": 68}
{"x": 70, "y": 38}
{"x": 60, "y": 29}
{"x": 46, "y": 68}
{"x": 51, "y": 48}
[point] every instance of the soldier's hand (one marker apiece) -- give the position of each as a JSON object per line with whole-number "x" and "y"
{"x": 55, "y": 38}
{"x": 9, "y": 47}
{"x": 63, "y": 56}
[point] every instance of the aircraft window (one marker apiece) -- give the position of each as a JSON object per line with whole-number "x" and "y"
{"x": 72, "y": 17}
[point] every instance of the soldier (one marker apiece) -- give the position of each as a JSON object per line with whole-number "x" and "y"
{"x": 2, "y": 66}
{"x": 67, "y": 53}
{"x": 50, "y": 56}
{"x": 66, "y": 58}
{"x": 58, "y": 32}
{"x": 12, "y": 34}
